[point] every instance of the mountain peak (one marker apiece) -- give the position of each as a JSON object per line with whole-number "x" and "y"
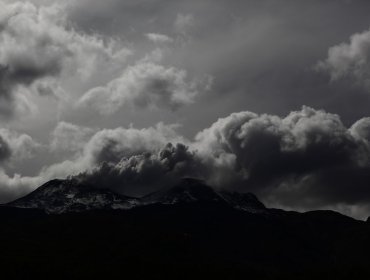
{"x": 187, "y": 190}
{"x": 190, "y": 190}
{"x": 60, "y": 196}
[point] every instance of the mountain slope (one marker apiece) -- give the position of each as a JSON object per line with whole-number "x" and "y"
{"x": 187, "y": 231}
{"x": 61, "y": 196}
{"x": 192, "y": 190}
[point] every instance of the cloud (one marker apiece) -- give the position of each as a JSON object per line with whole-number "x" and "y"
{"x": 111, "y": 145}
{"x": 16, "y": 186}
{"x": 142, "y": 173}
{"x": 306, "y": 160}
{"x": 92, "y": 150}
{"x": 145, "y": 84}
{"x": 69, "y": 137}
{"x": 5, "y": 151}
{"x": 350, "y": 60}
{"x": 37, "y": 43}
{"x": 105, "y": 146}
{"x": 15, "y": 146}
{"x": 159, "y": 38}
{"x": 183, "y": 23}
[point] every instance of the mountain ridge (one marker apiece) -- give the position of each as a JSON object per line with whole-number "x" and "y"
{"x": 71, "y": 195}
{"x": 182, "y": 231}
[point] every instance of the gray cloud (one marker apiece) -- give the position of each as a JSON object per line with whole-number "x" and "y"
{"x": 306, "y": 160}
{"x": 16, "y": 186}
{"x": 268, "y": 151}
{"x": 5, "y": 151}
{"x": 69, "y": 137}
{"x": 149, "y": 171}
{"x": 159, "y": 38}
{"x": 350, "y": 60}
{"x": 16, "y": 146}
{"x": 36, "y": 43}
{"x": 145, "y": 84}
{"x": 184, "y": 23}
{"x": 107, "y": 147}
{"x": 260, "y": 53}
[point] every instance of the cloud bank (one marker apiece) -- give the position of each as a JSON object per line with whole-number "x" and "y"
{"x": 308, "y": 159}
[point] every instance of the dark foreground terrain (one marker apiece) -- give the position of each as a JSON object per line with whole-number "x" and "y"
{"x": 189, "y": 239}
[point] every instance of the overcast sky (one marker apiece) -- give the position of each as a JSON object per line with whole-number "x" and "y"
{"x": 268, "y": 96}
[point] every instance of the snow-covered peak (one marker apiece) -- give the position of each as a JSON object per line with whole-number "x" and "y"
{"x": 192, "y": 190}
{"x": 61, "y": 196}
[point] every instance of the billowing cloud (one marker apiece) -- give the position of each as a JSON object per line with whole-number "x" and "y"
{"x": 106, "y": 146}
{"x": 308, "y": 159}
{"x": 111, "y": 145}
{"x": 145, "y": 84}
{"x": 260, "y": 54}
{"x": 15, "y": 146}
{"x": 145, "y": 172}
{"x": 350, "y": 60}
{"x": 92, "y": 151}
{"x": 37, "y": 43}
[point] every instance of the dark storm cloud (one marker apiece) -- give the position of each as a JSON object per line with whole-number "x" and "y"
{"x": 303, "y": 151}
{"x": 106, "y": 145}
{"x": 309, "y": 158}
{"x": 146, "y": 172}
{"x": 305, "y": 160}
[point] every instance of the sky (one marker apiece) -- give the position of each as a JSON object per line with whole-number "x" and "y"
{"x": 263, "y": 96}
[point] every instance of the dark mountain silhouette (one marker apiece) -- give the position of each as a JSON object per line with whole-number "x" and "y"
{"x": 184, "y": 232}
{"x": 62, "y": 196}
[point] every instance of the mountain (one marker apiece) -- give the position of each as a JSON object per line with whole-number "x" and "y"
{"x": 62, "y": 196}
{"x": 191, "y": 190}
{"x": 66, "y": 229}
